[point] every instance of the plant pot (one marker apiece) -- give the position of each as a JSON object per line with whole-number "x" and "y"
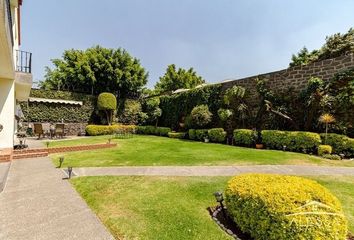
{"x": 259, "y": 146}
{"x": 206, "y": 140}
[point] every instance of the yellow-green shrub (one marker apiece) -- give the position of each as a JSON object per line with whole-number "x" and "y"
{"x": 341, "y": 144}
{"x": 324, "y": 149}
{"x": 244, "y": 137}
{"x": 95, "y": 130}
{"x": 273, "y": 207}
{"x": 200, "y": 134}
{"x": 177, "y": 135}
{"x": 152, "y": 130}
{"x": 217, "y": 135}
{"x": 292, "y": 140}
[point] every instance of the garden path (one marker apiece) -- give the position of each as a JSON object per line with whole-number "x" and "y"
{"x": 37, "y": 203}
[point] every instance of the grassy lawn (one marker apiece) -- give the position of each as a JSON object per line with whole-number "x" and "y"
{"x": 161, "y": 151}
{"x": 172, "y": 207}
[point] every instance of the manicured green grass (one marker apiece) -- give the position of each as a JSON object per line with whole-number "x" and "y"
{"x": 162, "y": 151}
{"x": 172, "y": 207}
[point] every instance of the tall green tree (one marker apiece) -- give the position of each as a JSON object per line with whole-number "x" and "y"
{"x": 96, "y": 70}
{"x": 177, "y": 79}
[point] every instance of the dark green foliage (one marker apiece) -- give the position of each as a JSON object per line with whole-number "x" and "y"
{"x": 131, "y": 113}
{"x": 341, "y": 144}
{"x": 57, "y": 112}
{"x": 192, "y": 134}
{"x": 341, "y": 89}
{"x": 201, "y": 115}
{"x": 336, "y": 45}
{"x": 177, "y": 106}
{"x": 217, "y": 135}
{"x": 152, "y": 130}
{"x": 96, "y": 70}
{"x": 151, "y": 106}
{"x": 244, "y": 137}
{"x": 306, "y": 142}
{"x": 180, "y": 135}
{"x": 303, "y": 57}
{"x": 201, "y": 134}
{"x": 178, "y": 79}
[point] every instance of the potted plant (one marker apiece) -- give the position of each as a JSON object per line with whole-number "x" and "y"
{"x": 258, "y": 139}
{"x": 206, "y": 139}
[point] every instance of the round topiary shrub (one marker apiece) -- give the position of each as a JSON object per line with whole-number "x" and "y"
{"x": 107, "y": 103}
{"x": 201, "y": 115}
{"x": 324, "y": 149}
{"x": 269, "y": 206}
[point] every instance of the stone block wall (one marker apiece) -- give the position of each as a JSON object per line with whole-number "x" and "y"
{"x": 71, "y": 129}
{"x": 295, "y": 77}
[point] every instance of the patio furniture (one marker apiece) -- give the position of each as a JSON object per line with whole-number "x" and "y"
{"x": 59, "y": 129}
{"x": 38, "y": 129}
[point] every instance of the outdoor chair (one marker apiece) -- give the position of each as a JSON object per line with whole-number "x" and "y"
{"x": 38, "y": 129}
{"x": 59, "y": 130}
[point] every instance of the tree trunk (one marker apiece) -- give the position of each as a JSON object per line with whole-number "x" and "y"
{"x": 108, "y": 118}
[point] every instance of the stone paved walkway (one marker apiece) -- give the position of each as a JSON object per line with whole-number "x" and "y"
{"x": 38, "y": 204}
{"x": 213, "y": 170}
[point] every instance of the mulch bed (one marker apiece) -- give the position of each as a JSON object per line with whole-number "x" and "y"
{"x": 226, "y": 224}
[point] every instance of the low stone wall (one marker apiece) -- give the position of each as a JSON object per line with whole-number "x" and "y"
{"x": 71, "y": 129}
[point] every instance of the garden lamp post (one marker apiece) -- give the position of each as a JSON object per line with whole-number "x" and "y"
{"x": 220, "y": 198}
{"x": 70, "y": 170}
{"x": 61, "y": 160}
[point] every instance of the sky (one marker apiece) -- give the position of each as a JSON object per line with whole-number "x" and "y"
{"x": 223, "y": 39}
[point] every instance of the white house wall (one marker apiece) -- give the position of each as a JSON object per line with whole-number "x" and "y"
{"x": 7, "y": 112}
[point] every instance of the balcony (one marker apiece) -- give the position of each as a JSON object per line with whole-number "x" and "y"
{"x": 23, "y": 61}
{"x": 23, "y": 75}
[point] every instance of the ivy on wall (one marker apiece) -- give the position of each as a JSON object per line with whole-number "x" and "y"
{"x": 57, "y": 112}
{"x": 178, "y": 106}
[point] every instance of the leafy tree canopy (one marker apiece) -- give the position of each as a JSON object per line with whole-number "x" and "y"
{"x": 177, "y": 79}
{"x": 336, "y": 45}
{"x": 96, "y": 70}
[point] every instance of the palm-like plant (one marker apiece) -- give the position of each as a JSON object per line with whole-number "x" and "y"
{"x": 327, "y": 119}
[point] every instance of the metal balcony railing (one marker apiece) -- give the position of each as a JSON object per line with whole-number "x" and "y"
{"x": 23, "y": 61}
{"x": 9, "y": 19}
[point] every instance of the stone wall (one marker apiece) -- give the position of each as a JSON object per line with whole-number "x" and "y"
{"x": 71, "y": 129}
{"x": 295, "y": 77}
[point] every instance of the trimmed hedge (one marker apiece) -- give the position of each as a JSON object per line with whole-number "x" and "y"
{"x": 95, "y": 130}
{"x": 292, "y": 141}
{"x": 341, "y": 144}
{"x": 244, "y": 137}
{"x": 179, "y": 135}
{"x": 201, "y": 134}
{"x": 152, "y": 130}
{"x": 324, "y": 149}
{"x": 191, "y": 134}
{"x": 269, "y": 206}
{"x": 217, "y": 135}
